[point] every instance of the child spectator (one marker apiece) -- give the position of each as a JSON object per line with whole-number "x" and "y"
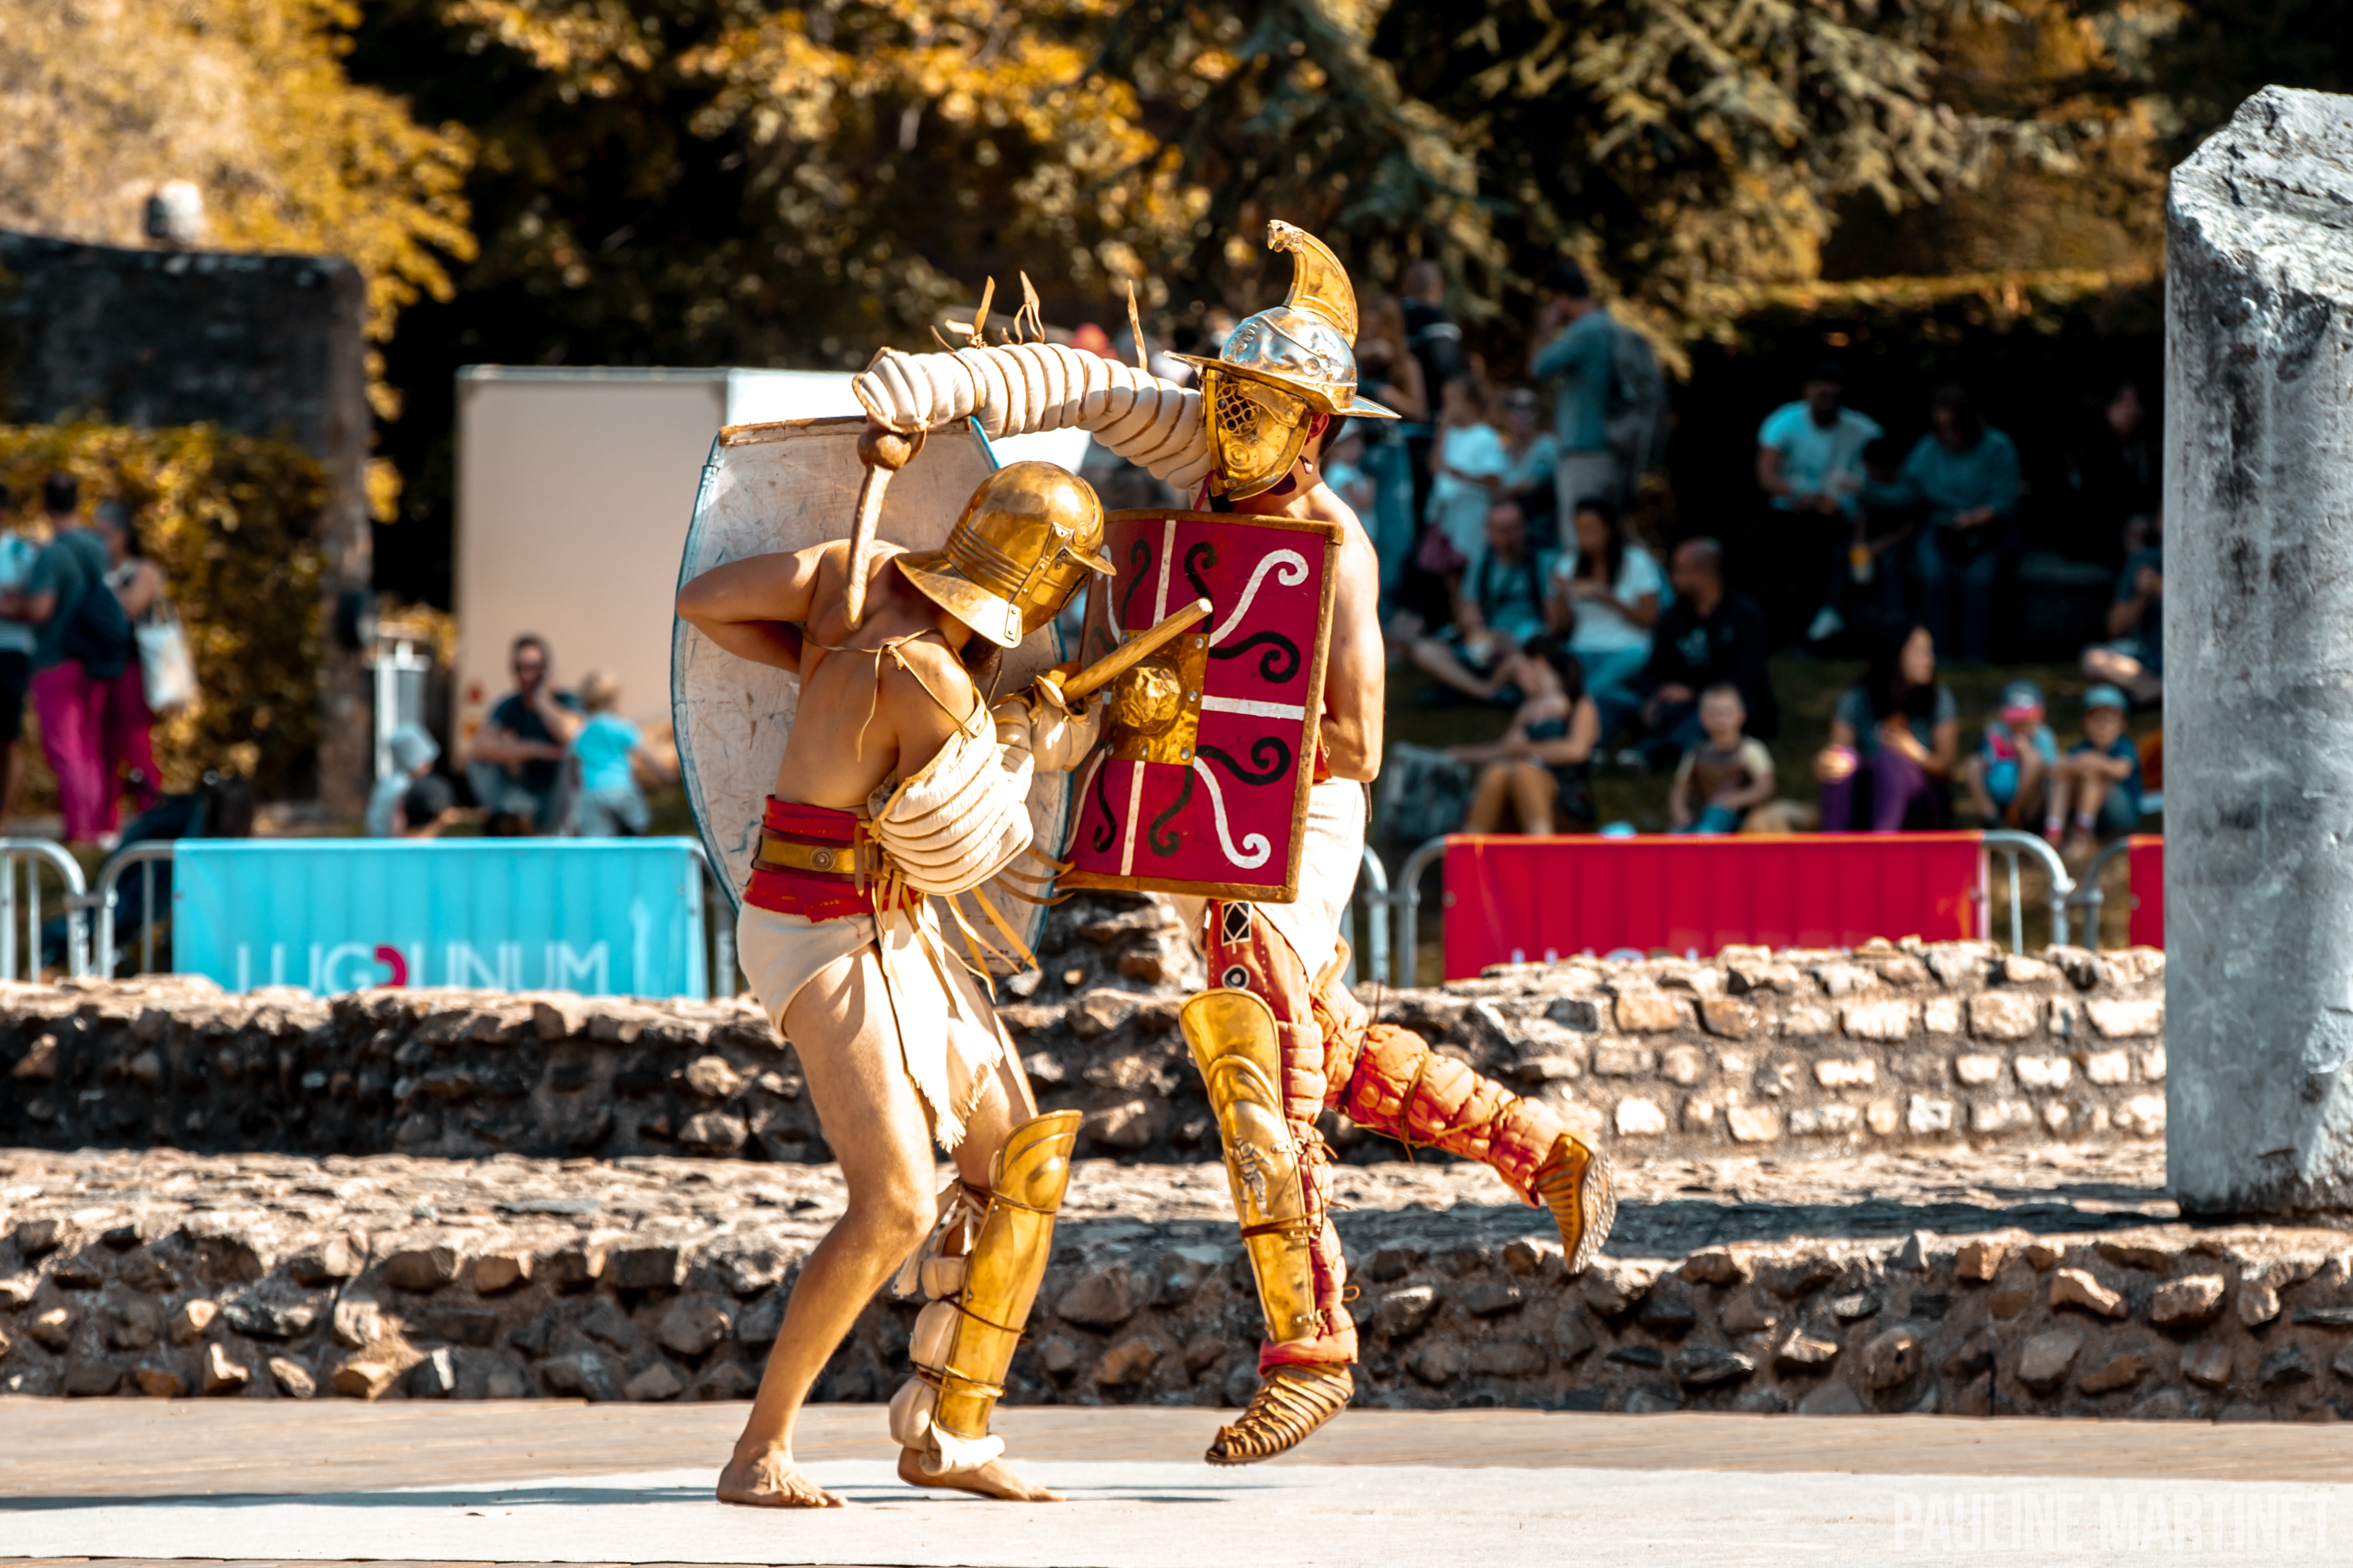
{"x": 1543, "y": 767}
{"x": 412, "y": 801}
{"x": 1894, "y": 740}
{"x": 1725, "y": 775}
{"x": 610, "y": 751}
{"x": 1343, "y": 470}
{"x": 2100, "y": 777}
{"x": 2013, "y": 764}
{"x": 1467, "y": 466}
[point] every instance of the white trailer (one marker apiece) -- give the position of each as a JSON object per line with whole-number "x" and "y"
{"x": 574, "y": 487}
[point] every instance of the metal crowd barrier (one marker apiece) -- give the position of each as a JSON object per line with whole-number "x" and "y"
{"x": 1404, "y": 899}
{"x": 31, "y": 855}
{"x": 2088, "y": 895}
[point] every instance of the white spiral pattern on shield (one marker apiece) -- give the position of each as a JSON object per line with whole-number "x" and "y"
{"x": 1255, "y": 848}
{"x": 1294, "y": 573}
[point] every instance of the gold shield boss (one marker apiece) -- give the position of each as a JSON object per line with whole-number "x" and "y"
{"x": 1280, "y": 368}
{"x": 1027, "y": 538}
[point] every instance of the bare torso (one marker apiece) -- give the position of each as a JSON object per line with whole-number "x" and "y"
{"x": 1355, "y": 679}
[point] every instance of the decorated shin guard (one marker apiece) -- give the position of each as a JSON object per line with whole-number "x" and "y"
{"x": 964, "y": 1337}
{"x": 1388, "y": 1081}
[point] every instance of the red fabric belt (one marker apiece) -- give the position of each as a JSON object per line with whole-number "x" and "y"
{"x": 810, "y": 894}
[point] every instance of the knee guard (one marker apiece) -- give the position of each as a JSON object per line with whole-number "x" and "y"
{"x": 964, "y": 1338}
{"x": 1232, "y": 1034}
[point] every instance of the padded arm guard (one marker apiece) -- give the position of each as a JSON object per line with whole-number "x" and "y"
{"x": 1232, "y": 1034}
{"x": 1017, "y": 388}
{"x": 964, "y": 1338}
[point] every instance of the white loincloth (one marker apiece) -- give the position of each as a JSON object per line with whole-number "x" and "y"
{"x": 949, "y": 1040}
{"x": 1328, "y": 865}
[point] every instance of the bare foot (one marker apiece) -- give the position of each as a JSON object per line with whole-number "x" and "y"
{"x": 994, "y": 1479}
{"x": 770, "y": 1482}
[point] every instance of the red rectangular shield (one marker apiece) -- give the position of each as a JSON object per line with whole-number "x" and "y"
{"x": 1201, "y": 786}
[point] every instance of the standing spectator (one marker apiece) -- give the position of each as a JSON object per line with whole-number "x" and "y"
{"x": 2134, "y": 657}
{"x": 1605, "y": 599}
{"x": 80, "y": 646}
{"x": 1530, "y": 456}
{"x": 609, "y": 803}
{"x": 1467, "y": 466}
{"x": 1708, "y": 635}
{"x": 17, "y": 554}
{"x": 129, "y": 731}
{"x": 1498, "y": 607}
{"x": 1343, "y": 469}
{"x": 1810, "y": 466}
{"x": 1436, "y": 345}
{"x": 1894, "y": 740}
{"x": 2100, "y": 777}
{"x": 1871, "y": 593}
{"x": 2116, "y": 478}
{"x": 1576, "y": 345}
{"x": 1726, "y": 777}
{"x": 1542, "y": 770}
{"x": 2013, "y": 764}
{"x": 412, "y": 801}
{"x": 517, "y": 763}
{"x": 1966, "y": 475}
{"x": 1388, "y": 374}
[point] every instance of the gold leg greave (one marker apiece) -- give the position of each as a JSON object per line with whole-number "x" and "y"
{"x": 1232, "y": 1034}
{"x": 1289, "y": 1406}
{"x": 964, "y": 1338}
{"x": 1581, "y": 1189}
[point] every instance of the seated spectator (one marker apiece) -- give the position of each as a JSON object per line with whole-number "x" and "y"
{"x": 1467, "y": 464}
{"x": 516, "y": 766}
{"x": 1498, "y": 606}
{"x": 1725, "y": 775}
{"x": 1894, "y": 740}
{"x": 1529, "y": 451}
{"x": 2012, "y": 769}
{"x": 608, "y": 801}
{"x": 1707, "y": 637}
{"x": 1542, "y": 770}
{"x": 2135, "y": 660}
{"x": 2100, "y": 778}
{"x": 1605, "y": 597}
{"x": 1966, "y": 475}
{"x": 1810, "y": 466}
{"x": 412, "y": 801}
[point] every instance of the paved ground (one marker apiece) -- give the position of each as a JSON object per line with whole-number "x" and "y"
{"x": 138, "y": 1480}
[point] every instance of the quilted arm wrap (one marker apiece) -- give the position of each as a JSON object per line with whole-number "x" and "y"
{"x": 1017, "y": 388}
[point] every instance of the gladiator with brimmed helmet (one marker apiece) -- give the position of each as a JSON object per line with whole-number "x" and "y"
{"x": 1279, "y": 1038}
{"x": 904, "y": 792}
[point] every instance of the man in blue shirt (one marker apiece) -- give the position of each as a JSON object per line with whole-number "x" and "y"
{"x": 1810, "y": 466}
{"x": 516, "y": 763}
{"x": 1578, "y": 349}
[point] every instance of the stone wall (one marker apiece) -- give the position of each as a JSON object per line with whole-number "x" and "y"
{"x": 269, "y": 345}
{"x": 1887, "y": 1045}
{"x": 276, "y": 1277}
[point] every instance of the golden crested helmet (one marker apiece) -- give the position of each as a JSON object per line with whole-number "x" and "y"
{"x": 1283, "y": 366}
{"x": 1027, "y": 539}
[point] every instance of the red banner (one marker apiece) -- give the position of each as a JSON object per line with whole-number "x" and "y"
{"x": 2146, "y": 859}
{"x": 1513, "y": 899}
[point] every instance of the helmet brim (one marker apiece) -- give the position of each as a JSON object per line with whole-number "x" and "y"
{"x": 936, "y": 577}
{"x": 1316, "y": 396}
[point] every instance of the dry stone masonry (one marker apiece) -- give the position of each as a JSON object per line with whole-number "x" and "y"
{"x": 1871, "y": 1282}
{"x": 1885, "y": 1047}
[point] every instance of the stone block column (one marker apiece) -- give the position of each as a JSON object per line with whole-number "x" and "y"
{"x": 2259, "y": 660}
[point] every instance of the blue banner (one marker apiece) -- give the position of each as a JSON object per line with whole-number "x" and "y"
{"x": 607, "y": 917}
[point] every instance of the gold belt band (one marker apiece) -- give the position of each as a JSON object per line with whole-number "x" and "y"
{"x": 786, "y": 855}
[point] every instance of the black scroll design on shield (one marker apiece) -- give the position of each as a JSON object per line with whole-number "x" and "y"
{"x": 1261, "y": 749}
{"x": 1139, "y": 557}
{"x": 1277, "y": 665}
{"x": 1107, "y": 831}
{"x": 1200, "y": 557}
{"x": 1163, "y": 843}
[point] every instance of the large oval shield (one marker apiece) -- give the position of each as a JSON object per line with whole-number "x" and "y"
{"x": 788, "y": 486}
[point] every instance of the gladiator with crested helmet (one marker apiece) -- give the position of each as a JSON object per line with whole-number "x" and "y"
{"x": 1280, "y": 1038}
{"x": 901, "y": 791}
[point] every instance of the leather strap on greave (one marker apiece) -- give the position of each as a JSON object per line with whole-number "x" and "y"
{"x": 1232, "y": 1034}
{"x": 964, "y": 1338}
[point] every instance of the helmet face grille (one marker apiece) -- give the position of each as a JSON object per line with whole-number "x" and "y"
{"x": 1256, "y": 431}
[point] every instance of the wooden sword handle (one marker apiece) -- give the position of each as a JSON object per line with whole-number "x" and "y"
{"x": 884, "y": 452}
{"x": 1129, "y": 654}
